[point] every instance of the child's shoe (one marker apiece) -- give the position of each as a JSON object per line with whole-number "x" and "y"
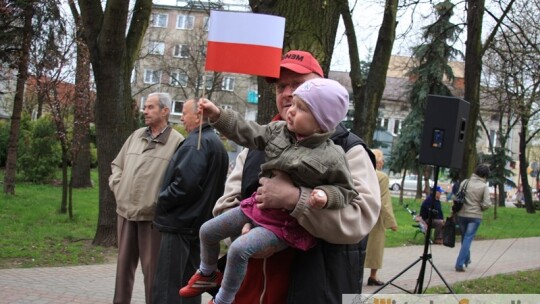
{"x": 199, "y": 284}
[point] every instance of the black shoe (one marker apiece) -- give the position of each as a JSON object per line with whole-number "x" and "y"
{"x": 374, "y": 282}
{"x": 460, "y": 269}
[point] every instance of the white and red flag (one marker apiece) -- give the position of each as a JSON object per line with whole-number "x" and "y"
{"x": 245, "y": 43}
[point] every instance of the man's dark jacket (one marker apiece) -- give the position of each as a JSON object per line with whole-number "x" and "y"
{"x": 427, "y": 205}
{"x": 192, "y": 183}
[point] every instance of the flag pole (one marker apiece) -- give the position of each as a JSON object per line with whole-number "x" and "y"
{"x": 202, "y": 113}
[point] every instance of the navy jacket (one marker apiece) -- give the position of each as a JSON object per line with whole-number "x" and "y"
{"x": 426, "y": 204}
{"x": 192, "y": 183}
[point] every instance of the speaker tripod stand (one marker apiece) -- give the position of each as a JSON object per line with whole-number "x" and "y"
{"x": 426, "y": 256}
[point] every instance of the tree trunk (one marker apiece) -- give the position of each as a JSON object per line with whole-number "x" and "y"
{"x": 266, "y": 109}
{"x": 357, "y": 79}
{"x": 113, "y": 51}
{"x": 109, "y": 117}
{"x": 311, "y": 26}
{"x": 70, "y": 199}
{"x": 473, "y": 70}
{"x": 63, "y": 204}
{"x": 366, "y": 105}
{"x": 80, "y": 171}
{"x": 523, "y": 165}
{"x": 11, "y": 160}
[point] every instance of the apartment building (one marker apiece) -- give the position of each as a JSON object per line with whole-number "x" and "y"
{"x": 172, "y": 59}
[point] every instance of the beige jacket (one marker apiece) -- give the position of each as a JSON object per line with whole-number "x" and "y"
{"x": 347, "y": 225}
{"x": 137, "y": 173}
{"x": 477, "y": 198}
{"x": 377, "y": 237}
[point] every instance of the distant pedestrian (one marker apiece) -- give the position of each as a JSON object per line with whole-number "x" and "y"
{"x": 387, "y": 220}
{"x": 477, "y": 200}
{"x": 454, "y": 191}
{"x": 136, "y": 176}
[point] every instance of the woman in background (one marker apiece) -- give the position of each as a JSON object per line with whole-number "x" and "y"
{"x": 477, "y": 200}
{"x": 387, "y": 220}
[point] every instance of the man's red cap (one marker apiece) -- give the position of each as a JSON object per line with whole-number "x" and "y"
{"x": 299, "y": 62}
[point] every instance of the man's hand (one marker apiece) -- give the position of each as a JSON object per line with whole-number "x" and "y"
{"x": 277, "y": 192}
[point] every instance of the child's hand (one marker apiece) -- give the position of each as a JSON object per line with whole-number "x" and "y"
{"x": 246, "y": 228}
{"x": 209, "y": 109}
{"x": 318, "y": 199}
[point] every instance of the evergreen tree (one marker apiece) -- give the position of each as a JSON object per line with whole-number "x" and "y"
{"x": 429, "y": 74}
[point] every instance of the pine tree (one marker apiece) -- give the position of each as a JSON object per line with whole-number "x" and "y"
{"x": 429, "y": 74}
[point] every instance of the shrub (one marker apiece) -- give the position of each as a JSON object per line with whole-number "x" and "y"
{"x": 40, "y": 152}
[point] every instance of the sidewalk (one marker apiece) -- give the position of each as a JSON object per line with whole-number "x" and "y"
{"x": 489, "y": 257}
{"x": 95, "y": 283}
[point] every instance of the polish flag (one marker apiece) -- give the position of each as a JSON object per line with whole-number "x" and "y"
{"x": 245, "y": 43}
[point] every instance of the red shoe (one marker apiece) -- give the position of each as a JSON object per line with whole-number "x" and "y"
{"x": 199, "y": 284}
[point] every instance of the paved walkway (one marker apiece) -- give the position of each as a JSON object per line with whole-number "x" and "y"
{"x": 95, "y": 283}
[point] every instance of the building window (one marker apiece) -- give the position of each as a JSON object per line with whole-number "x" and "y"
{"x": 205, "y": 23}
{"x": 152, "y": 76}
{"x": 156, "y": 47}
{"x": 185, "y": 22}
{"x": 178, "y": 79}
{"x": 209, "y": 82}
{"x": 493, "y": 137}
{"x": 208, "y": 79}
{"x": 178, "y": 106}
{"x": 228, "y": 83}
{"x": 397, "y": 126}
{"x": 181, "y": 51}
{"x": 159, "y": 20}
{"x": 133, "y": 77}
{"x": 384, "y": 123}
{"x": 143, "y": 99}
{"x": 203, "y": 51}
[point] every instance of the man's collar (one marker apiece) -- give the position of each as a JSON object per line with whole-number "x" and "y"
{"x": 162, "y": 137}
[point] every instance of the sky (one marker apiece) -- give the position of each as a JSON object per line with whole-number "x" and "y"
{"x": 367, "y": 16}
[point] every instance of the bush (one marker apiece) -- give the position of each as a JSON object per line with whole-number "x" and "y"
{"x": 39, "y": 151}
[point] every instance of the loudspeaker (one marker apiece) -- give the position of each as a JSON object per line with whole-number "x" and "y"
{"x": 443, "y": 136}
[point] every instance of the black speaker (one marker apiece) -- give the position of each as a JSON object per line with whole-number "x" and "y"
{"x": 443, "y": 137}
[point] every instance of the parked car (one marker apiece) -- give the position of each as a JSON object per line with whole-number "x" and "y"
{"x": 409, "y": 184}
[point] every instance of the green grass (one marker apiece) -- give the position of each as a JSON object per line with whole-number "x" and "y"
{"x": 34, "y": 232}
{"x": 524, "y": 282}
{"x": 510, "y": 223}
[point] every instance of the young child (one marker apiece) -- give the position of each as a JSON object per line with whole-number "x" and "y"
{"x": 299, "y": 146}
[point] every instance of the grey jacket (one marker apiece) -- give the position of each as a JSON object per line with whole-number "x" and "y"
{"x": 477, "y": 197}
